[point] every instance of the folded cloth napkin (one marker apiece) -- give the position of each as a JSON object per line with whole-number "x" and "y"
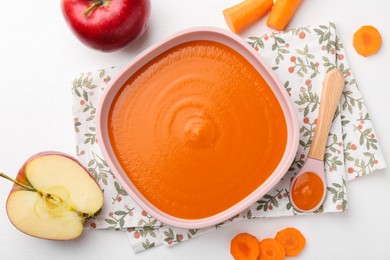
{"x": 300, "y": 58}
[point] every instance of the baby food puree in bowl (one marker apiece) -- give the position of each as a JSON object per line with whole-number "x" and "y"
{"x": 197, "y": 128}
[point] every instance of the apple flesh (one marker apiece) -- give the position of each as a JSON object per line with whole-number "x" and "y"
{"x": 106, "y": 25}
{"x": 52, "y": 196}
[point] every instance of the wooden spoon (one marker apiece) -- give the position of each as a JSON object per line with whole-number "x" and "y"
{"x": 308, "y": 188}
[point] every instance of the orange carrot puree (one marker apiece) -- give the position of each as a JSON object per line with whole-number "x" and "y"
{"x": 307, "y": 191}
{"x": 197, "y": 129}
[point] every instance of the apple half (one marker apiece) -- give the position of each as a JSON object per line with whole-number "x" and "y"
{"x": 52, "y": 196}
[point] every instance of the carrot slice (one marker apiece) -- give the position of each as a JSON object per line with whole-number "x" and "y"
{"x": 292, "y": 240}
{"x": 270, "y": 249}
{"x": 281, "y": 13}
{"x": 245, "y": 13}
{"x": 244, "y": 246}
{"x": 367, "y": 40}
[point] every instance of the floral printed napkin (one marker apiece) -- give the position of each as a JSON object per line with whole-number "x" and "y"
{"x": 300, "y": 57}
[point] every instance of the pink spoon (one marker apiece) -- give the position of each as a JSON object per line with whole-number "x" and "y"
{"x": 308, "y": 188}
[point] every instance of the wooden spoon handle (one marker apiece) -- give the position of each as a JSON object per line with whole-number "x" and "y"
{"x": 332, "y": 88}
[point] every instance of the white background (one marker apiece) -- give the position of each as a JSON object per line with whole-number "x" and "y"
{"x": 39, "y": 57}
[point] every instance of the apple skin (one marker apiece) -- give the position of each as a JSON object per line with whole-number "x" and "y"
{"x": 21, "y": 177}
{"x": 110, "y": 26}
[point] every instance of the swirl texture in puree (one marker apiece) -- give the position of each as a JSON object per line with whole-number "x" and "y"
{"x": 197, "y": 129}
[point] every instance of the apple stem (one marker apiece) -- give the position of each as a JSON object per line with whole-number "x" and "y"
{"x": 93, "y": 6}
{"x": 28, "y": 187}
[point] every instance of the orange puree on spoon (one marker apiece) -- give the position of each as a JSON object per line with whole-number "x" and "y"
{"x": 307, "y": 191}
{"x": 197, "y": 129}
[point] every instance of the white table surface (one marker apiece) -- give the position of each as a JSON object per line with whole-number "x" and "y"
{"x": 38, "y": 58}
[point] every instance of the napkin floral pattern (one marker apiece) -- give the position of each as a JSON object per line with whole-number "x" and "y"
{"x": 300, "y": 57}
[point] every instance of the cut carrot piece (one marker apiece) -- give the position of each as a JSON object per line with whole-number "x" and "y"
{"x": 367, "y": 40}
{"x": 243, "y": 14}
{"x": 270, "y": 249}
{"x": 244, "y": 246}
{"x": 281, "y": 13}
{"x": 292, "y": 240}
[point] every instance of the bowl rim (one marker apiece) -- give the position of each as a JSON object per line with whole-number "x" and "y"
{"x": 229, "y": 39}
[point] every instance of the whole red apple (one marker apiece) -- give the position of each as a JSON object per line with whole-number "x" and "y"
{"x": 106, "y": 25}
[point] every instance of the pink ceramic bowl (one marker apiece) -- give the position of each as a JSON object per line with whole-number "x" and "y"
{"x": 236, "y": 43}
